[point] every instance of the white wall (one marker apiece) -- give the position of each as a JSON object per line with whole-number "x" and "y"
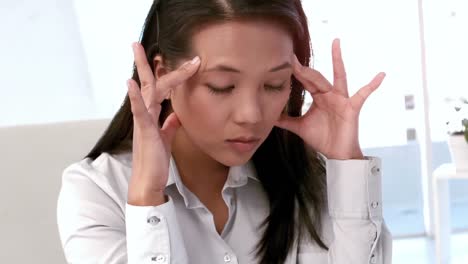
{"x": 372, "y": 40}
{"x": 43, "y": 71}
{"x": 108, "y": 28}
{"x": 65, "y": 60}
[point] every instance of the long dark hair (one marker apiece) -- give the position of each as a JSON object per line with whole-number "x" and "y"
{"x": 292, "y": 175}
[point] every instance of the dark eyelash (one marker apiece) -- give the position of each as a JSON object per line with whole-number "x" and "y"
{"x": 216, "y": 90}
{"x": 224, "y": 90}
{"x": 275, "y": 88}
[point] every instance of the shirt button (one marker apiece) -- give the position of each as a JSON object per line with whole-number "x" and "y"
{"x": 227, "y": 258}
{"x": 159, "y": 259}
{"x": 375, "y": 204}
{"x": 375, "y": 170}
{"x": 154, "y": 220}
{"x": 373, "y": 259}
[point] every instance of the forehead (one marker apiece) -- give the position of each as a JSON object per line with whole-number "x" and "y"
{"x": 244, "y": 43}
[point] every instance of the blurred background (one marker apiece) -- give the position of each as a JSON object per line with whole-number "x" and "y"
{"x": 67, "y": 61}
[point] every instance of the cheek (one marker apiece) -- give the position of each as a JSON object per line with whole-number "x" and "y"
{"x": 197, "y": 110}
{"x": 275, "y": 105}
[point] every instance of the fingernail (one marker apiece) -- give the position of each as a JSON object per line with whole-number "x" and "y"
{"x": 195, "y": 60}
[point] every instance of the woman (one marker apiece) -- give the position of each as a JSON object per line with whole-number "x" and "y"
{"x": 211, "y": 160}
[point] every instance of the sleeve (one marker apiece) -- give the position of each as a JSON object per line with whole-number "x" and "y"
{"x": 150, "y": 229}
{"x": 93, "y": 227}
{"x": 357, "y": 232}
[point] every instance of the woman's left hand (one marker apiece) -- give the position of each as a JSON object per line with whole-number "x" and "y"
{"x": 331, "y": 124}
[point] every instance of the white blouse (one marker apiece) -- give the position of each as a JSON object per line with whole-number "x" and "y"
{"x": 97, "y": 225}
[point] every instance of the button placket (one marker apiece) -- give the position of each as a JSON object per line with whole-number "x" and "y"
{"x": 372, "y": 234}
{"x": 154, "y": 223}
{"x": 374, "y": 191}
{"x": 375, "y": 173}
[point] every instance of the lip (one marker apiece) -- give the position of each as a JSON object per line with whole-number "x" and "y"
{"x": 244, "y": 139}
{"x": 243, "y": 144}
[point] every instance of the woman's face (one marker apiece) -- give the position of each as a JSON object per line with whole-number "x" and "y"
{"x": 228, "y": 108}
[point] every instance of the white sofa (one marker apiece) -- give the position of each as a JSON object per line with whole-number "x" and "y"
{"x": 31, "y": 164}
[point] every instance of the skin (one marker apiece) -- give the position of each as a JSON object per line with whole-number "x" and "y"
{"x": 201, "y": 122}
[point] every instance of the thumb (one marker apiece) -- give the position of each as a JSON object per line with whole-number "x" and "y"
{"x": 170, "y": 127}
{"x": 289, "y": 123}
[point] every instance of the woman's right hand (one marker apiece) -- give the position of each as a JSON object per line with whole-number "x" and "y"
{"x": 152, "y": 144}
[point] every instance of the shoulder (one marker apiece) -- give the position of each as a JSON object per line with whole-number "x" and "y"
{"x": 93, "y": 194}
{"x": 107, "y": 175}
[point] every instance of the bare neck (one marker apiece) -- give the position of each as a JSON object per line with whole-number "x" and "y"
{"x": 202, "y": 175}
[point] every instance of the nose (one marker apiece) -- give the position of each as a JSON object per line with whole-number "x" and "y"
{"x": 248, "y": 109}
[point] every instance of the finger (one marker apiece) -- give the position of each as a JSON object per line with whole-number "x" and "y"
{"x": 339, "y": 73}
{"x": 145, "y": 73}
{"x": 361, "y": 96}
{"x": 289, "y": 123}
{"x": 313, "y": 81}
{"x": 167, "y": 82}
{"x": 170, "y": 127}
{"x": 140, "y": 113}
{"x": 154, "y": 111}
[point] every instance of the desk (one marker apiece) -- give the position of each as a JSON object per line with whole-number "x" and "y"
{"x": 442, "y": 229}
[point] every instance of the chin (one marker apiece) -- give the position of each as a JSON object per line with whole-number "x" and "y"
{"x": 230, "y": 159}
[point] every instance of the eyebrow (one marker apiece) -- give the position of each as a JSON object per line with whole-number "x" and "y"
{"x": 227, "y": 68}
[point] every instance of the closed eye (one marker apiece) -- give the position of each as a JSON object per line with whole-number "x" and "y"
{"x": 228, "y": 89}
{"x": 275, "y": 88}
{"x": 220, "y": 90}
